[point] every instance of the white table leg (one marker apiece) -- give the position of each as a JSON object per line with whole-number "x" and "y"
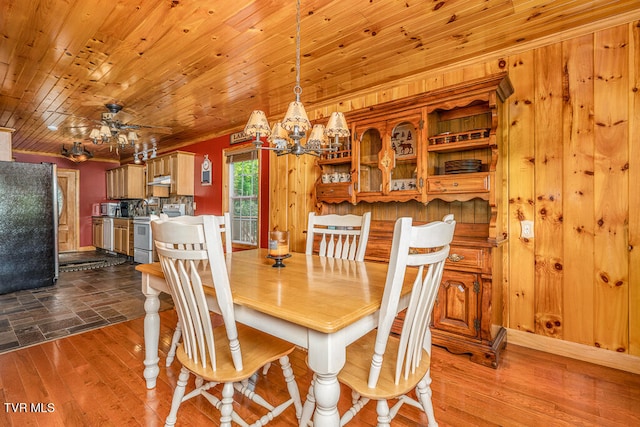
{"x": 151, "y": 335}
{"x": 327, "y": 394}
{"x": 326, "y": 358}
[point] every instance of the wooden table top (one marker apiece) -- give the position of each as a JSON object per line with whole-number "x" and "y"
{"x": 323, "y": 294}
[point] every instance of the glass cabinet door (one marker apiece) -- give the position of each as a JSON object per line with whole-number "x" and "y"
{"x": 369, "y": 174}
{"x": 404, "y": 145}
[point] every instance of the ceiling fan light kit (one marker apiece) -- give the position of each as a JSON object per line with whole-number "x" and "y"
{"x": 113, "y": 131}
{"x": 117, "y": 134}
{"x": 286, "y": 135}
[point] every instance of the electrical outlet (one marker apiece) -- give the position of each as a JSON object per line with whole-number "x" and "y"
{"x": 194, "y": 206}
{"x": 527, "y": 229}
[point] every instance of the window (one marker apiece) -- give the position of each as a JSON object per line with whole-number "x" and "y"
{"x": 243, "y": 190}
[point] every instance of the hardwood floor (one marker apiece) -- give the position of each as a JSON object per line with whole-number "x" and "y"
{"x": 95, "y": 378}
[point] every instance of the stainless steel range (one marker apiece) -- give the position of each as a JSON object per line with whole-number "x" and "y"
{"x": 142, "y": 240}
{"x": 143, "y": 250}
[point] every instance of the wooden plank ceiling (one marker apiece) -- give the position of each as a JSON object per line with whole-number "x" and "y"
{"x": 201, "y": 67}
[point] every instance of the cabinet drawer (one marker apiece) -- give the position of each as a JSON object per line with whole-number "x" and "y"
{"x": 340, "y": 190}
{"x": 462, "y": 257}
{"x": 122, "y": 223}
{"x": 462, "y": 183}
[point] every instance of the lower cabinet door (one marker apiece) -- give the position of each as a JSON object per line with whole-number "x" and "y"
{"x": 456, "y": 309}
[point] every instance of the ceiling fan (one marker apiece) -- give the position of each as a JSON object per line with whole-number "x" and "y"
{"x": 116, "y": 132}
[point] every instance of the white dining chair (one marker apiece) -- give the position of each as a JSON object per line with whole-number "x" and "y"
{"x": 340, "y": 236}
{"x": 382, "y": 366}
{"x": 225, "y": 227}
{"x": 228, "y": 354}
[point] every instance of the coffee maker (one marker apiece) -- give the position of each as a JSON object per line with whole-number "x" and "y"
{"x": 124, "y": 209}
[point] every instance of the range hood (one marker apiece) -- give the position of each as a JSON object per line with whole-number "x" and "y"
{"x": 162, "y": 181}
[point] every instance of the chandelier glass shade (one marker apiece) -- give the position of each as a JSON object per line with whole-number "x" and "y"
{"x": 285, "y": 136}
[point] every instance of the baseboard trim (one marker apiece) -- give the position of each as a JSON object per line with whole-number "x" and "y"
{"x": 598, "y": 356}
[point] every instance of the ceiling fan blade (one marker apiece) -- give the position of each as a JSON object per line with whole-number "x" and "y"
{"x": 124, "y": 117}
{"x": 157, "y": 129}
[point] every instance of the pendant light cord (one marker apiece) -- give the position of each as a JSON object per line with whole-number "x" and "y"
{"x": 297, "y": 89}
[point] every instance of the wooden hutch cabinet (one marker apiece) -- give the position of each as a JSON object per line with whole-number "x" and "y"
{"x": 426, "y": 156}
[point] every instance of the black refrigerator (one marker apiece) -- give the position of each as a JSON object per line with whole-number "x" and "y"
{"x": 28, "y": 225}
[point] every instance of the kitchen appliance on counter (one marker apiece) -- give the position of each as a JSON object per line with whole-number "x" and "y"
{"x": 109, "y": 209}
{"x": 143, "y": 250}
{"x": 95, "y": 209}
{"x": 29, "y": 201}
{"x": 127, "y": 208}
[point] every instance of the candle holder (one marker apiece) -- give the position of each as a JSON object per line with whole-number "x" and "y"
{"x": 278, "y": 247}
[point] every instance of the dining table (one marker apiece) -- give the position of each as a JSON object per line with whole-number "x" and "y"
{"x": 317, "y": 303}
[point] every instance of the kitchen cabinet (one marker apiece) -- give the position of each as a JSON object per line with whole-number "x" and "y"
{"x": 123, "y": 236}
{"x": 444, "y": 148}
{"x": 126, "y": 182}
{"x": 178, "y": 167}
{"x": 97, "y": 231}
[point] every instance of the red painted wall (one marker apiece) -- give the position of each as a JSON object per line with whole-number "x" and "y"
{"x": 93, "y": 186}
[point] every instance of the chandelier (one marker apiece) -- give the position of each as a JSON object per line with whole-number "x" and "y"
{"x": 285, "y": 135}
{"x": 77, "y": 153}
{"x": 112, "y": 131}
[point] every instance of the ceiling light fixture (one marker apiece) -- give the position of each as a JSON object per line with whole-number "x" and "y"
{"x": 77, "y": 153}
{"x": 112, "y": 131}
{"x": 144, "y": 155}
{"x": 285, "y": 136}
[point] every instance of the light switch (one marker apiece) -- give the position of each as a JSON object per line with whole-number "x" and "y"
{"x": 527, "y": 229}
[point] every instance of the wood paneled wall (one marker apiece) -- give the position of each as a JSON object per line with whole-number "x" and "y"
{"x": 572, "y": 166}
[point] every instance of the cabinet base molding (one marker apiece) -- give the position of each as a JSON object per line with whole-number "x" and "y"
{"x": 586, "y": 353}
{"x": 486, "y": 354}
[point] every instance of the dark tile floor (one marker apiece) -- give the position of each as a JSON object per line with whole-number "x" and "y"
{"x": 79, "y": 301}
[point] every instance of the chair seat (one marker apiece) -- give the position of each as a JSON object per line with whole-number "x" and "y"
{"x": 258, "y": 349}
{"x": 355, "y": 373}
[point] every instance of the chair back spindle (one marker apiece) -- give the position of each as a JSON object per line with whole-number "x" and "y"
{"x": 341, "y": 236}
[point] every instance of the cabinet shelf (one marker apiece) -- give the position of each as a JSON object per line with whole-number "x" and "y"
{"x": 468, "y": 135}
{"x": 336, "y": 161}
{"x": 407, "y": 159}
{"x": 459, "y": 146}
{"x": 369, "y": 163}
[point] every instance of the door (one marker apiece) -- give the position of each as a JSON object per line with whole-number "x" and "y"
{"x": 68, "y": 236}
{"x": 456, "y": 309}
